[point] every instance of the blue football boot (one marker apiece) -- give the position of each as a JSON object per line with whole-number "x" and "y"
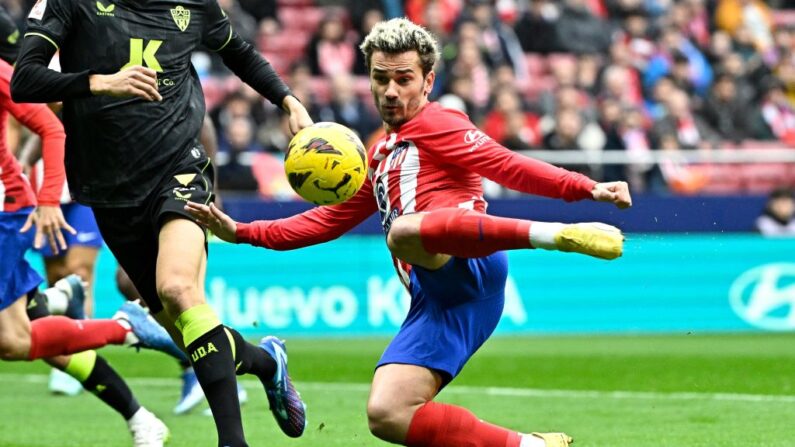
{"x": 285, "y": 402}
{"x": 148, "y": 331}
{"x": 74, "y": 289}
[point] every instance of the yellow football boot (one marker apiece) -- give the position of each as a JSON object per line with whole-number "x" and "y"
{"x": 555, "y": 439}
{"x": 593, "y": 238}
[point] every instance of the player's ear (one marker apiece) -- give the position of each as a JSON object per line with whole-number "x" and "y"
{"x": 429, "y": 82}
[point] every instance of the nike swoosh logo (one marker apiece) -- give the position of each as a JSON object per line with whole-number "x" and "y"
{"x": 86, "y": 237}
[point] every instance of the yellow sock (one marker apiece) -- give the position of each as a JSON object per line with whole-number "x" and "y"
{"x": 195, "y": 322}
{"x": 81, "y": 365}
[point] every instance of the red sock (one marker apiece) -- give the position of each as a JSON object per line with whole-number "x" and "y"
{"x": 469, "y": 234}
{"x": 51, "y": 336}
{"x": 441, "y": 425}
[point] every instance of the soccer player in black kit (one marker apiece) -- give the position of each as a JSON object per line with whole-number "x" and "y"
{"x": 133, "y": 109}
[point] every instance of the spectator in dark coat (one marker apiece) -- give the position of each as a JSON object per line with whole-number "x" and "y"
{"x": 536, "y": 29}
{"x": 726, "y": 112}
{"x": 579, "y": 31}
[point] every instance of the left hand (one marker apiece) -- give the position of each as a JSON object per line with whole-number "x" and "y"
{"x": 214, "y": 220}
{"x": 299, "y": 117}
{"x": 49, "y": 222}
{"x": 616, "y": 193}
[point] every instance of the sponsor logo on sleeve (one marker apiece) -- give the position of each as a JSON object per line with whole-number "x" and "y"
{"x": 475, "y": 138}
{"x": 38, "y": 10}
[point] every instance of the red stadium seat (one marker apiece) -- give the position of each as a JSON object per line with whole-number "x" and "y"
{"x": 724, "y": 179}
{"x": 763, "y": 178}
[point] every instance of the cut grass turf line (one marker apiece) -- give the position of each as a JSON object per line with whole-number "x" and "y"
{"x": 675, "y": 391}
{"x": 345, "y": 387}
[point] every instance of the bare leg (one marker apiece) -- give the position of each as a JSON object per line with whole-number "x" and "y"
{"x": 396, "y": 394}
{"x": 15, "y": 331}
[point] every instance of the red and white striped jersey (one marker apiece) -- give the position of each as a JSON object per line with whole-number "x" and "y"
{"x": 435, "y": 160}
{"x": 15, "y": 190}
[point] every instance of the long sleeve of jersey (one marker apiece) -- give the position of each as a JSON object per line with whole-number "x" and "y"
{"x": 33, "y": 80}
{"x": 244, "y": 61}
{"x": 241, "y": 57}
{"x": 41, "y": 120}
{"x": 458, "y": 142}
{"x": 318, "y": 225}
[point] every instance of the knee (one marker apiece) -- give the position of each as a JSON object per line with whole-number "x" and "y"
{"x": 14, "y": 345}
{"x": 403, "y": 234}
{"x": 177, "y": 290}
{"x": 84, "y": 270}
{"x": 387, "y": 421}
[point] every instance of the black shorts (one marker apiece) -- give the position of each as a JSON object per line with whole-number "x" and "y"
{"x": 132, "y": 232}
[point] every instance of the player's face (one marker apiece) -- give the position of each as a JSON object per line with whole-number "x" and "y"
{"x": 399, "y": 89}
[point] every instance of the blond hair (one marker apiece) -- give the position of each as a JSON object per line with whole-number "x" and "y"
{"x": 399, "y": 36}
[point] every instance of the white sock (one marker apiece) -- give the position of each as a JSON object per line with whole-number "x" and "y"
{"x": 57, "y": 301}
{"x": 141, "y": 416}
{"x": 542, "y": 235}
{"x": 532, "y": 441}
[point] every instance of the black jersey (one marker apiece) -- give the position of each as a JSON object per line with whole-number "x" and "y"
{"x": 117, "y": 150}
{"x": 9, "y": 37}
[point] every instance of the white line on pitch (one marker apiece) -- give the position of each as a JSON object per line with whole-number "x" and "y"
{"x": 466, "y": 390}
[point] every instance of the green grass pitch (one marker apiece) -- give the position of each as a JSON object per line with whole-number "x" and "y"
{"x": 622, "y": 391}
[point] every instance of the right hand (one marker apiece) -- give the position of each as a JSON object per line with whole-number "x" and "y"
{"x": 49, "y": 222}
{"x": 135, "y": 81}
{"x": 214, "y": 219}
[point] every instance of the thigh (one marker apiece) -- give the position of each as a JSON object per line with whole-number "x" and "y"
{"x": 133, "y": 241}
{"x": 15, "y": 330}
{"x": 451, "y": 316}
{"x": 180, "y": 265}
{"x": 182, "y": 243}
{"x": 404, "y": 385}
{"x": 396, "y": 394}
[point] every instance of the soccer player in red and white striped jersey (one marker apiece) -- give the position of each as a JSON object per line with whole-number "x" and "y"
{"x": 424, "y": 179}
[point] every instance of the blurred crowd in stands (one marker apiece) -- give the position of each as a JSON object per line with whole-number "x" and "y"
{"x": 637, "y": 76}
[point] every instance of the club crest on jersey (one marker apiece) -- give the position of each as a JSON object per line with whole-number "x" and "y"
{"x": 399, "y": 154}
{"x": 181, "y": 17}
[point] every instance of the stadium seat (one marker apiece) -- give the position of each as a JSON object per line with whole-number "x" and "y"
{"x": 763, "y": 178}
{"x": 724, "y": 179}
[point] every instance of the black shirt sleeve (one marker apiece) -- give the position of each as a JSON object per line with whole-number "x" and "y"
{"x": 33, "y": 81}
{"x": 241, "y": 57}
{"x": 9, "y": 37}
{"x": 48, "y": 24}
{"x": 254, "y": 70}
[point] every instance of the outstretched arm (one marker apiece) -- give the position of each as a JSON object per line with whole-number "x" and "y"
{"x": 248, "y": 64}
{"x": 460, "y": 143}
{"x": 318, "y": 225}
{"x": 48, "y": 217}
